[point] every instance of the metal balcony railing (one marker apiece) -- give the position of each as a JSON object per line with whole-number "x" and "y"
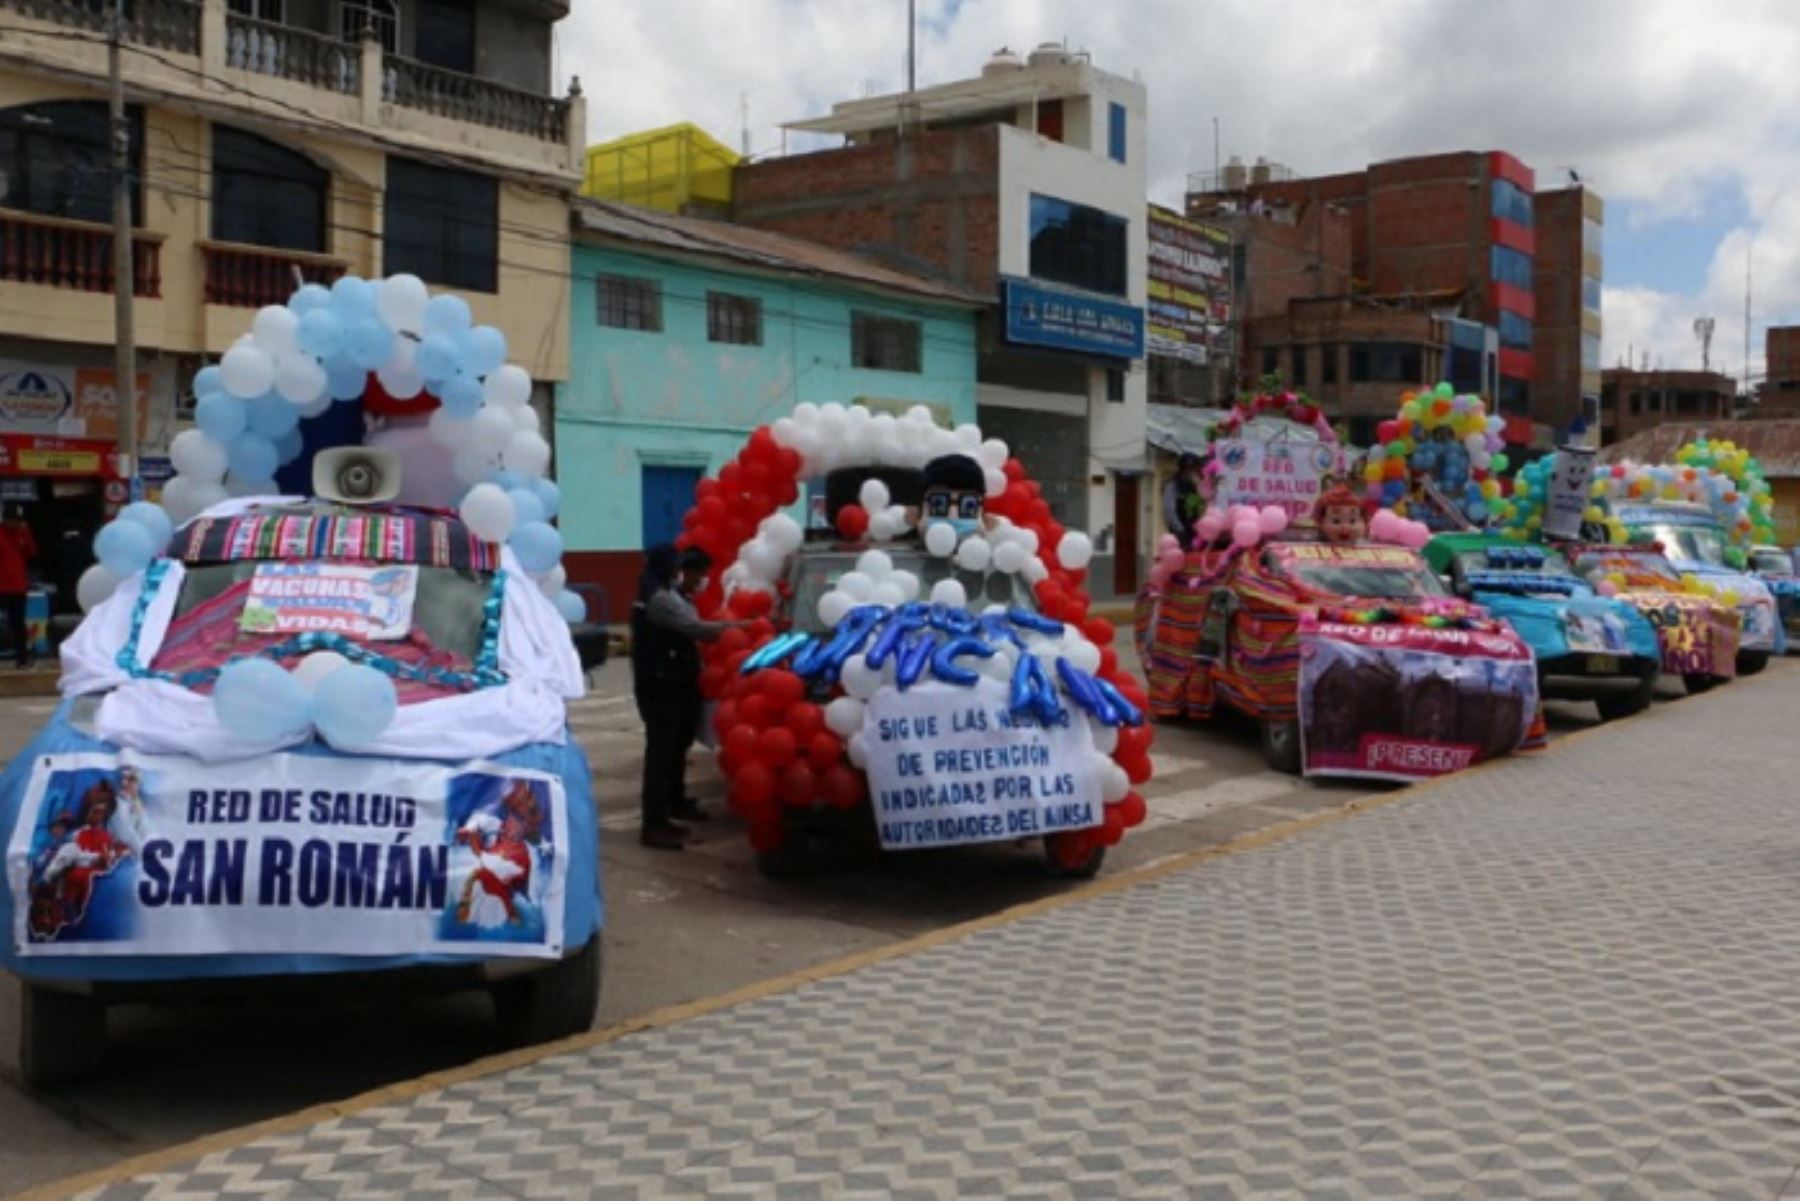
{"x": 250, "y": 277}
{"x": 478, "y": 101}
{"x": 59, "y": 253}
{"x": 289, "y": 53}
{"x": 168, "y": 24}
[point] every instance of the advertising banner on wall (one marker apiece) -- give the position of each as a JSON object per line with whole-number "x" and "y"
{"x": 56, "y": 401}
{"x": 1189, "y": 289}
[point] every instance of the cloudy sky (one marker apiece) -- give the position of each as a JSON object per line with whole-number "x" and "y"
{"x": 1684, "y": 116}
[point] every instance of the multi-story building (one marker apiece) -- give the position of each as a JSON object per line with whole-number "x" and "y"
{"x": 1192, "y": 313}
{"x": 1025, "y": 185}
{"x": 1634, "y": 401}
{"x": 1779, "y": 395}
{"x": 271, "y": 141}
{"x": 1566, "y": 277}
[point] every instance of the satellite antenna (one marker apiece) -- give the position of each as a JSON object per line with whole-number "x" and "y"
{"x": 1703, "y": 330}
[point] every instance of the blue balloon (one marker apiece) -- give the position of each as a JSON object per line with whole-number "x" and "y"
{"x": 353, "y": 705}
{"x": 506, "y": 480}
{"x": 438, "y": 356}
{"x": 272, "y": 416}
{"x": 914, "y": 658}
{"x": 153, "y": 518}
{"x": 321, "y": 333}
{"x": 208, "y": 380}
{"x": 310, "y": 299}
{"x": 526, "y": 506}
{"x": 538, "y": 546}
{"x": 222, "y": 418}
{"x": 944, "y": 661}
{"x": 345, "y": 379}
{"x": 549, "y": 495}
{"x": 447, "y": 313}
{"x": 353, "y": 298}
{"x": 124, "y": 547}
{"x": 256, "y": 701}
{"x": 483, "y": 350}
{"x": 573, "y": 608}
{"x": 369, "y": 342}
{"x": 289, "y": 446}
{"x": 253, "y": 457}
{"x": 461, "y": 396}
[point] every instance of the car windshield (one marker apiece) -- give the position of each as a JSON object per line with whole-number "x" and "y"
{"x": 1641, "y": 569}
{"x": 1365, "y": 580}
{"x": 1771, "y": 562}
{"x": 217, "y": 619}
{"x": 819, "y": 573}
{"x": 1548, "y": 565}
{"x": 1702, "y": 544}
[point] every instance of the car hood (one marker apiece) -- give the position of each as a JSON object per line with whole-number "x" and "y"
{"x": 1558, "y": 626}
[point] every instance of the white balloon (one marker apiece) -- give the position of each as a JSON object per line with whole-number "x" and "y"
{"x": 974, "y": 554}
{"x": 95, "y": 585}
{"x": 509, "y": 387}
{"x": 858, "y": 585}
{"x": 527, "y": 453}
{"x": 950, "y": 593}
{"x": 447, "y": 431}
{"x": 1106, "y": 738}
{"x": 1114, "y": 783}
{"x": 488, "y": 512}
{"x": 198, "y": 457}
{"x": 274, "y": 328}
{"x": 844, "y": 716}
{"x": 526, "y": 420}
{"x": 400, "y": 375}
{"x": 784, "y": 429}
{"x": 996, "y": 667}
{"x": 908, "y": 583}
{"x": 400, "y": 300}
{"x": 474, "y": 466}
{"x": 888, "y": 593}
{"x": 247, "y": 372}
{"x": 1026, "y": 538}
{"x": 875, "y": 564}
{"x": 1009, "y": 557}
{"x": 1083, "y": 654}
{"x": 834, "y": 606}
{"x": 885, "y": 527}
{"x": 968, "y": 438}
{"x": 858, "y": 750}
{"x": 316, "y": 666}
{"x": 940, "y": 539}
{"x": 316, "y": 405}
{"x": 784, "y": 533}
{"x": 491, "y": 430}
{"x": 859, "y": 679}
{"x": 1034, "y": 571}
{"x": 235, "y": 485}
{"x": 301, "y": 380}
{"x": 873, "y": 495}
{"x": 764, "y": 559}
{"x": 993, "y": 455}
{"x": 554, "y": 580}
{"x": 1075, "y": 550}
{"x": 205, "y": 496}
{"x": 996, "y": 482}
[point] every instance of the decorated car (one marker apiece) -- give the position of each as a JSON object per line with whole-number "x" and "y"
{"x": 1775, "y": 568}
{"x": 1697, "y": 630}
{"x": 921, "y": 668}
{"x": 1587, "y": 646}
{"x": 316, "y": 735}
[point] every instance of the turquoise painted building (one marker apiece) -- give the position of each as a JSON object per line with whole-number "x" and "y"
{"x": 688, "y": 334}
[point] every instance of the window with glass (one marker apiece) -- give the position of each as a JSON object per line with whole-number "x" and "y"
{"x": 628, "y": 302}
{"x": 264, "y": 194}
{"x": 1590, "y": 352}
{"x": 1297, "y": 366}
{"x": 1590, "y": 294}
{"x": 1512, "y": 203}
{"x": 1328, "y": 363}
{"x": 1115, "y": 386}
{"x": 736, "y": 320}
{"x": 56, "y": 160}
{"x": 274, "y": 11}
{"x": 1115, "y": 132}
{"x": 1077, "y": 245}
{"x": 381, "y": 16}
{"x": 1386, "y": 363}
{"x": 1591, "y": 233}
{"x": 442, "y": 225}
{"x": 444, "y": 34}
{"x": 1511, "y": 267}
{"x": 1515, "y": 331}
{"x": 884, "y": 343}
{"x": 1515, "y": 396}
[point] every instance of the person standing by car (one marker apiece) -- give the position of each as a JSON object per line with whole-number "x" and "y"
{"x": 17, "y": 550}
{"x": 665, "y": 668}
{"x": 1181, "y": 500}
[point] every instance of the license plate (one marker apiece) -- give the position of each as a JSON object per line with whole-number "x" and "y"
{"x": 1603, "y": 665}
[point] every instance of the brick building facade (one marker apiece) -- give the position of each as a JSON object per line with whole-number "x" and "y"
{"x": 1634, "y": 401}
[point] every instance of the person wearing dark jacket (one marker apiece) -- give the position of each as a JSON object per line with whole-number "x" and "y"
{"x": 665, "y": 674}
{"x": 17, "y": 550}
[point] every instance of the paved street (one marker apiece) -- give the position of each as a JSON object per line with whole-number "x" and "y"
{"x": 681, "y": 928}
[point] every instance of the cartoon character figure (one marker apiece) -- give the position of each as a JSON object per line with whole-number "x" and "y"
{"x": 70, "y": 866}
{"x": 1340, "y": 517}
{"x": 387, "y": 591}
{"x": 955, "y": 492}
{"x": 502, "y": 871}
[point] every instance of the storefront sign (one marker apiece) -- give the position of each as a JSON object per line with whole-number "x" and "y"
{"x": 1570, "y": 476}
{"x": 24, "y": 454}
{"x": 1038, "y": 315}
{"x": 368, "y": 604}
{"x": 1288, "y": 473}
{"x": 1397, "y": 702}
{"x": 286, "y": 854}
{"x": 65, "y": 402}
{"x": 949, "y": 766}
{"x": 1189, "y": 288}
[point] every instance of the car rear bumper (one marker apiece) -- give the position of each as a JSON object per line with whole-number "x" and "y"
{"x": 1585, "y": 677}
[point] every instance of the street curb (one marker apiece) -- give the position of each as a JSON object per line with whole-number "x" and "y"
{"x": 182, "y": 1153}
{"x": 17, "y": 684}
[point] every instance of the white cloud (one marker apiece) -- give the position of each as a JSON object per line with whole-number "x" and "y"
{"x": 1660, "y": 102}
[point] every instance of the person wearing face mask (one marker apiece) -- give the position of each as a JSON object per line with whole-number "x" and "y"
{"x": 955, "y": 493}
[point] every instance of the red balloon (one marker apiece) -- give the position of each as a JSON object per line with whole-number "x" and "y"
{"x": 757, "y": 478}
{"x": 711, "y": 511}
{"x": 740, "y": 742}
{"x": 753, "y": 786}
{"x": 1109, "y": 661}
{"x": 1113, "y": 829}
{"x": 1014, "y": 469}
{"x": 1132, "y": 810}
{"x": 766, "y": 836}
{"x": 1387, "y": 431}
{"x": 731, "y": 480}
{"x": 724, "y": 716}
{"x": 823, "y": 749}
{"x": 1134, "y": 740}
{"x": 734, "y": 640}
{"x": 791, "y": 462}
{"x": 842, "y": 787}
{"x": 1017, "y": 498}
{"x": 852, "y": 522}
{"x": 1099, "y": 631}
{"x": 798, "y": 784}
{"x": 805, "y": 719}
{"x": 783, "y": 688}
{"x": 1049, "y": 592}
{"x": 1070, "y": 850}
{"x": 761, "y": 630}
{"x": 1137, "y": 766}
{"x": 712, "y": 680}
{"x": 755, "y": 711}
{"x": 775, "y": 746}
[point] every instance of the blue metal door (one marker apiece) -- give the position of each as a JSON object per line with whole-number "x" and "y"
{"x": 668, "y": 495}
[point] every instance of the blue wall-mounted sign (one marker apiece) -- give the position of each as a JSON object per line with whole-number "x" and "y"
{"x": 1037, "y": 315}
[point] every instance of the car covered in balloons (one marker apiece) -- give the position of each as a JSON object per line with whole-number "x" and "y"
{"x": 1351, "y": 657}
{"x": 1696, "y": 629}
{"x": 1587, "y": 646}
{"x": 1775, "y": 568}
{"x": 920, "y": 670}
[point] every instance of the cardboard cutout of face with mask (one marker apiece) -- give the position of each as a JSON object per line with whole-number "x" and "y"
{"x": 956, "y": 493}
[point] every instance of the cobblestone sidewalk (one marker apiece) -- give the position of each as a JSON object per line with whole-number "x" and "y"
{"x": 1566, "y": 975}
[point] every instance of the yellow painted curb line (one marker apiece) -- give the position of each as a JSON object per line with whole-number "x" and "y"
{"x": 225, "y": 1140}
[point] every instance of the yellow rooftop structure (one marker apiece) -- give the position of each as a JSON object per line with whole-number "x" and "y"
{"x": 676, "y": 169}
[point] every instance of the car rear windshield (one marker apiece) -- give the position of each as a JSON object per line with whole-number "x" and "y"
{"x": 1552, "y": 564}
{"x": 819, "y": 574}
{"x": 1700, "y": 544}
{"x": 1375, "y": 583}
{"x": 1771, "y": 562}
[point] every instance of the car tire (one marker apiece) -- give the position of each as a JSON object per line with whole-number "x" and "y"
{"x": 558, "y": 1002}
{"x": 1700, "y": 682}
{"x": 1627, "y": 704}
{"x": 1751, "y": 662}
{"x": 1061, "y": 869}
{"x": 62, "y": 1037}
{"x": 1281, "y": 745}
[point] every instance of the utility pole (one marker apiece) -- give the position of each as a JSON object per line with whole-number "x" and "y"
{"x": 1749, "y": 258}
{"x": 912, "y": 60}
{"x": 124, "y": 274}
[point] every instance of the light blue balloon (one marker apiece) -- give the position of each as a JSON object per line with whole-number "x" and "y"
{"x": 253, "y": 457}
{"x": 321, "y": 333}
{"x": 353, "y": 298}
{"x": 353, "y": 705}
{"x": 257, "y": 701}
{"x": 289, "y": 446}
{"x": 438, "y": 356}
{"x": 506, "y": 480}
{"x": 484, "y": 350}
{"x": 124, "y": 547}
{"x": 447, "y": 313}
{"x": 154, "y": 519}
{"x": 345, "y": 379}
{"x": 571, "y": 606}
{"x": 272, "y": 416}
{"x": 461, "y": 396}
{"x": 538, "y": 546}
{"x": 527, "y": 508}
{"x": 310, "y": 299}
{"x": 549, "y": 495}
{"x": 208, "y": 380}
{"x": 221, "y": 418}
{"x": 369, "y": 342}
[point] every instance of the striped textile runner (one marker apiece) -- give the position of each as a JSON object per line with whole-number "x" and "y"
{"x": 429, "y": 539}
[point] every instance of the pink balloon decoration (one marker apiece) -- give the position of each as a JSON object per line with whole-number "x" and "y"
{"x": 1159, "y": 575}
{"x": 1246, "y": 533}
{"x": 1415, "y": 534}
{"x": 1381, "y": 526}
{"x": 1166, "y": 543}
{"x": 1211, "y": 526}
{"x": 1273, "y": 520}
{"x": 1607, "y": 588}
{"x": 1172, "y": 559}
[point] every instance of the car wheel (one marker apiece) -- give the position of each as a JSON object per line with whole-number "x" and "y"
{"x": 1063, "y": 866}
{"x": 1699, "y": 682}
{"x": 1751, "y": 662}
{"x": 558, "y": 1002}
{"x": 62, "y": 1037}
{"x": 1627, "y": 704}
{"x": 1281, "y": 745}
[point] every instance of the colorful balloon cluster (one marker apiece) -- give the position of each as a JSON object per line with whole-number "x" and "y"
{"x": 1450, "y": 438}
{"x": 349, "y": 704}
{"x": 1531, "y": 492}
{"x": 1745, "y": 505}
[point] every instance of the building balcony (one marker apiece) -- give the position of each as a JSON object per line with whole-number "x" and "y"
{"x": 54, "y": 252}
{"x": 240, "y": 276}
